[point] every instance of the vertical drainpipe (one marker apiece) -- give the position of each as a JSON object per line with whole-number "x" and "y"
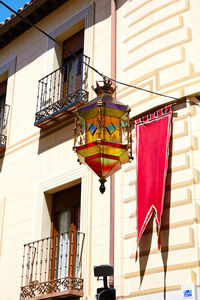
{"x": 112, "y": 179}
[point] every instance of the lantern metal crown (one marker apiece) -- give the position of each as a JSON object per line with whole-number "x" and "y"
{"x": 102, "y": 133}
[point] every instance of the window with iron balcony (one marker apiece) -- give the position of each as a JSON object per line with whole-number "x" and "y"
{"x": 60, "y": 92}
{"x": 51, "y": 266}
{"x": 4, "y": 110}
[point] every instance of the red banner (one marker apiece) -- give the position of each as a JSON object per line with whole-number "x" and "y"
{"x": 152, "y": 151}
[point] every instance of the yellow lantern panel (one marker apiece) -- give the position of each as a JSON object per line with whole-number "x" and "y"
{"x": 103, "y": 158}
{"x": 90, "y": 150}
{"x": 91, "y": 130}
{"x": 110, "y": 130}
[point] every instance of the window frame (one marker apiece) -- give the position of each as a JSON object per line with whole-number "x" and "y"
{"x": 7, "y": 72}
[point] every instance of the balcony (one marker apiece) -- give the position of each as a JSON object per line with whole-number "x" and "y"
{"x": 61, "y": 92}
{"x": 52, "y": 267}
{"x": 4, "y": 111}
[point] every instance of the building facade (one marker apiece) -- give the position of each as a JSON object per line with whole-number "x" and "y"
{"x": 55, "y": 225}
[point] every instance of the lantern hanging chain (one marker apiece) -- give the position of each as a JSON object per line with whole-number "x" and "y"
{"x": 138, "y": 88}
{"x": 75, "y": 56}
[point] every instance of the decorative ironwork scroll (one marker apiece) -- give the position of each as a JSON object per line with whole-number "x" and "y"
{"x": 79, "y": 95}
{"x": 3, "y": 140}
{"x": 54, "y": 286}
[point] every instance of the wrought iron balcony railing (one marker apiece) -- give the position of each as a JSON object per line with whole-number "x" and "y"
{"x": 61, "y": 91}
{"x": 52, "y": 267}
{"x": 4, "y": 111}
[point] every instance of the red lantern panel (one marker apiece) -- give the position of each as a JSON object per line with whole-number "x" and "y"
{"x": 104, "y": 158}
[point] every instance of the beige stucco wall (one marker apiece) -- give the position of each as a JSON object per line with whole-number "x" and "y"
{"x": 157, "y": 49}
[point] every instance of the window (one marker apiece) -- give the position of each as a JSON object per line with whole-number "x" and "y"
{"x": 51, "y": 266}
{"x": 62, "y": 91}
{"x": 66, "y": 225}
{"x": 73, "y": 65}
{"x": 3, "y": 113}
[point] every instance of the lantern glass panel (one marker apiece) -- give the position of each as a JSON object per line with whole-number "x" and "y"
{"x": 91, "y": 130}
{"x": 112, "y": 129}
{"x": 102, "y": 166}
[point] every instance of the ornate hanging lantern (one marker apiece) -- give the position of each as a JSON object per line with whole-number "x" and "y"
{"x": 102, "y": 133}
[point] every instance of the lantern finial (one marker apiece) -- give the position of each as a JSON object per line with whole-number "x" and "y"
{"x": 102, "y": 187}
{"x": 106, "y": 88}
